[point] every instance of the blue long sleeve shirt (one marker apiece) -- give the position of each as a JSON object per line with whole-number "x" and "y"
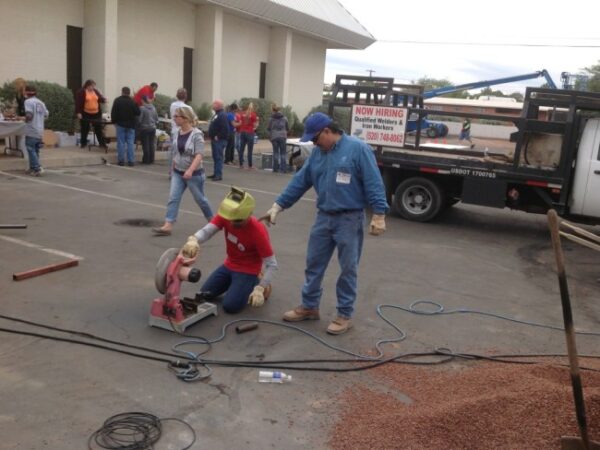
{"x": 345, "y": 178}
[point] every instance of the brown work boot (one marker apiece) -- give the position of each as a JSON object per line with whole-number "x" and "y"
{"x": 300, "y": 313}
{"x": 339, "y": 325}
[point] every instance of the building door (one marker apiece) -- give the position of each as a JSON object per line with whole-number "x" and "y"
{"x": 188, "y": 58}
{"x": 74, "y": 57}
{"x": 262, "y": 80}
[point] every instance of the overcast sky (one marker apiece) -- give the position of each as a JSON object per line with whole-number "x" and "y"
{"x": 553, "y": 35}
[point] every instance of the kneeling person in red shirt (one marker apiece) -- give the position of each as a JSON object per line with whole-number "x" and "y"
{"x": 248, "y": 248}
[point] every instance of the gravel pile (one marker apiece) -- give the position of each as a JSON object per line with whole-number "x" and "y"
{"x": 477, "y": 406}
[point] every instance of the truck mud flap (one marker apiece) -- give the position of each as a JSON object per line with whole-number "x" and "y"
{"x": 484, "y": 192}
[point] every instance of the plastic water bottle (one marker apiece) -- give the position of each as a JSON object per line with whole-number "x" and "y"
{"x": 266, "y": 376}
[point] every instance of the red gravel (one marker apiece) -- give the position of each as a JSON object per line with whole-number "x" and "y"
{"x": 478, "y": 406}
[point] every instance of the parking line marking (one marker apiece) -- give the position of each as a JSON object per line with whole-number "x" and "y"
{"x": 41, "y": 247}
{"x": 100, "y": 194}
{"x": 225, "y": 185}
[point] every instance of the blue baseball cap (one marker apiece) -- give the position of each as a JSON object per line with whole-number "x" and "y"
{"x": 315, "y": 124}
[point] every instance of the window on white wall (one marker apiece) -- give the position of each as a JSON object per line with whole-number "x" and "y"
{"x": 262, "y": 80}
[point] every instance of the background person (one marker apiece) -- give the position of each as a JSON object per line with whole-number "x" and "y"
{"x": 465, "y": 132}
{"x": 187, "y": 169}
{"x": 88, "y": 101}
{"x": 20, "y": 96}
{"x": 278, "y": 129}
{"x": 181, "y": 96}
{"x": 35, "y": 115}
{"x": 124, "y": 114}
{"x": 148, "y": 123}
{"x": 248, "y": 125}
{"x": 248, "y": 249}
{"x": 145, "y": 91}
{"x": 218, "y": 131}
{"x": 344, "y": 173}
{"x": 233, "y": 123}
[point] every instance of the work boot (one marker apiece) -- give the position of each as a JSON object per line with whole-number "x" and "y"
{"x": 300, "y": 313}
{"x": 339, "y": 325}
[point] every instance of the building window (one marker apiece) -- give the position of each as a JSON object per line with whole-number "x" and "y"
{"x": 188, "y": 59}
{"x": 262, "y": 80}
{"x": 74, "y": 57}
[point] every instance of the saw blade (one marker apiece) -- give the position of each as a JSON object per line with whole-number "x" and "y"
{"x": 160, "y": 275}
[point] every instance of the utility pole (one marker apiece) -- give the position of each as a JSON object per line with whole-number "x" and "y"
{"x": 371, "y": 72}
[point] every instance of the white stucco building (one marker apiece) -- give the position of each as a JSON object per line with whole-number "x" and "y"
{"x": 274, "y": 49}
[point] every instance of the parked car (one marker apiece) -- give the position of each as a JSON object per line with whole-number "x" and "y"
{"x": 428, "y": 127}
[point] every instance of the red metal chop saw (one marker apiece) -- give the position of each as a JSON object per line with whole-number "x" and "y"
{"x": 172, "y": 312}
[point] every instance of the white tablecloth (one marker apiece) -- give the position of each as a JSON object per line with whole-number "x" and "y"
{"x": 15, "y": 139}
{"x": 11, "y": 128}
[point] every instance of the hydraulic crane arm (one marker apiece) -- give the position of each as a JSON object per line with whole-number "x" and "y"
{"x": 477, "y": 84}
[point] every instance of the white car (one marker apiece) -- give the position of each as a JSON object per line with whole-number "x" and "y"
{"x": 298, "y": 152}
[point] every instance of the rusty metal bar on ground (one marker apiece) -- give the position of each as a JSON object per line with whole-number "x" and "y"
{"x": 12, "y": 227}
{"x": 44, "y": 270}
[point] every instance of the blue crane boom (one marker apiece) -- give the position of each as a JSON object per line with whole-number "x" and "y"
{"x": 477, "y": 84}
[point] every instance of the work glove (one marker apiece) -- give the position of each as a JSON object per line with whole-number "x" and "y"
{"x": 191, "y": 248}
{"x": 272, "y": 213}
{"x": 377, "y": 225}
{"x": 257, "y": 298}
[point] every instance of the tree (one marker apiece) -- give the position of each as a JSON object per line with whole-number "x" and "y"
{"x": 594, "y": 74}
{"x": 517, "y": 96}
{"x": 487, "y": 91}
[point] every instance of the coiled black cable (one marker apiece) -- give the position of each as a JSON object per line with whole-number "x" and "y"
{"x": 133, "y": 431}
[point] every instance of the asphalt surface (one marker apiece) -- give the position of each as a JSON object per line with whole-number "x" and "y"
{"x": 55, "y": 394}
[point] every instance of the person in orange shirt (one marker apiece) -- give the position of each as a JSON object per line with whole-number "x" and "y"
{"x": 88, "y": 101}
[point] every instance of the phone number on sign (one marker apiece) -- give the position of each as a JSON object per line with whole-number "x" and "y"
{"x": 384, "y": 137}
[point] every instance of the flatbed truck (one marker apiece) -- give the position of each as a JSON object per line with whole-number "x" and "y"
{"x": 555, "y": 163}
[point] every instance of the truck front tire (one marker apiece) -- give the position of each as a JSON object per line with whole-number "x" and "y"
{"x": 418, "y": 199}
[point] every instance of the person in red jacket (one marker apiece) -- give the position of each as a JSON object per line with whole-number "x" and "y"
{"x": 245, "y": 276}
{"x": 146, "y": 91}
{"x": 88, "y": 101}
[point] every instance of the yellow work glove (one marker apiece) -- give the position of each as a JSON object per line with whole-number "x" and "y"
{"x": 257, "y": 298}
{"x": 191, "y": 248}
{"x": 272, "y": 213}
{"x": 377, "y": 225}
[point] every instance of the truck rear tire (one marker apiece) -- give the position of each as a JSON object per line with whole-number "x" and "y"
{"x": 418, "y": 199}
{"x": 431, "y": 132}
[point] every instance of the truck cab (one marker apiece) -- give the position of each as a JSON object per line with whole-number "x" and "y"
{"x": 585, "y": 195}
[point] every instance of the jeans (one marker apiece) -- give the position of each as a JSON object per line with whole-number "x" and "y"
{"x": 237, "y": 141}
{"x": 238, "y": 286}
{"x": 33, "y": 145}
{"x": 125, "y": 136}
{"x": 229, "y": 149}
{"x": 344, "y": 231}
{"x": 148, "y": 138}
{"x": 217, "y": 147}
{"x": 279, "y": 154}
{"x": 246, "y": 138}
{"x": 178, "y": 185}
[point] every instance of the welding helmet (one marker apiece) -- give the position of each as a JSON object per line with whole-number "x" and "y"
{"x": 238, "y": 205}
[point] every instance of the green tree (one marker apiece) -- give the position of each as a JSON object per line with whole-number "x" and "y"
{"x": 517, "y": 96}
{"x": 594, "y": 80}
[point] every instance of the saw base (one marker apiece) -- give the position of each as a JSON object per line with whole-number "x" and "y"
{"x": 162, "y": 321}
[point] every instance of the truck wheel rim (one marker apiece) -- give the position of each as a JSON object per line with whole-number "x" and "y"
{"x": 416, "y": 200}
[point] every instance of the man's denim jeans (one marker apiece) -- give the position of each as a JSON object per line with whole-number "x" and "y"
{"x": 125, "y": 137}
{"x": 344, "y": 231}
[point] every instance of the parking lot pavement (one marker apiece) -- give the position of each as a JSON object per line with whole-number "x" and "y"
{"x": 59, "y": 393}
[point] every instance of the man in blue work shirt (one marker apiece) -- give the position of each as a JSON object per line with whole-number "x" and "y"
{"x": 343, "y": 171}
